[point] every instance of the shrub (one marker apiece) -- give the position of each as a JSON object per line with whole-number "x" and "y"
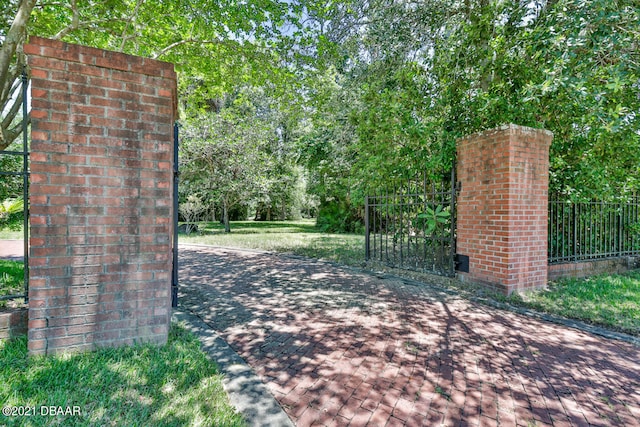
{"x": 339, "y": 216}
{"x": 11, "y": 211}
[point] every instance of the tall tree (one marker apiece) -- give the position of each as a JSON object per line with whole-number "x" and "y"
{"x": 240, "y": 154}
{"x": 214, "y": 44}
{"x": 427, "y": 73}
{"x": 221, "y": 158}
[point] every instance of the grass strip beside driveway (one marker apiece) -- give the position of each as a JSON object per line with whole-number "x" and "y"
{"x": 172, "y": 385}
{"x": 612, "y": 301}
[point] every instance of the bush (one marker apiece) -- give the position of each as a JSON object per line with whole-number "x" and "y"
{"x": 237, "y": 212}
{"x": 11, "y": 185}
{"x": 339, "y": 216}
{"x": 191, "y": 211}
{"x": 11, "y": 214}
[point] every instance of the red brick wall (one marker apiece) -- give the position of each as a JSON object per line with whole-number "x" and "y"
{"x": 593, "y": 267}
{"x": 502, "y": 207}
{"x": 100, "y": 197}
{"x": 13, "y": 322}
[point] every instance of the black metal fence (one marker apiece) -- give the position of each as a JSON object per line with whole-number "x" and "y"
{"x": 24, "y": 174}
{"x": 412, "y": 226}
{"x": 593, "y": 230}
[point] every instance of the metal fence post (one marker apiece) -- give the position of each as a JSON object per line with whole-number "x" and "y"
{"x": 25, "y": 182}
{"x": 176, "y": 174}
{"x": 25, "y": 186}
{"x": 452, "y": 235}
{"x": 366, "y": 228}
{"x": 575, "y": 231}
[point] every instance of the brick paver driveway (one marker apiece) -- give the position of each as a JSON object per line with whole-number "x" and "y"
{"x": 338, "y": 347}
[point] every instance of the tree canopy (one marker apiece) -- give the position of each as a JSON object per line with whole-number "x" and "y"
{"x": 215, "y": 45}
{"x": 426, "y": 73}
{"x": 240, "y": 154}
{"x": 361, "y": 92}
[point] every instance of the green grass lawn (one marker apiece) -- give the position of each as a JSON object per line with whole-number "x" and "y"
{"x": 6, "y": 234}
{"x": 295, "y": 237}
{"x": 173, "y": 385}
{"x": 11, "y": 279}
{"x": 608, "y": 300}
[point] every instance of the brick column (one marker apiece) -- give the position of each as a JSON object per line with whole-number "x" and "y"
{"x": 100, "y": 193}
{"x": 502, "y": 209}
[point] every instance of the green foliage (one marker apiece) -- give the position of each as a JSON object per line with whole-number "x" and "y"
{"x": 422, "y": 75}
{"x": 11, "y": 279}
{"x": 634, "y": 231}
{"x": 11, "y": 214}
{"x": 221, "y": 159}
{"x": 588, "y": 95}
{"x": 10, "y": 186}
{"x": 9, "y": 207}
{"x": 175, "y": 384}
{"x": 432, "y": 219}
{"x": 338, "y": 216}
{"x": 215, "y": 45}
{"x": 395, "y": 128}
{"x": 191, "y": 211}
{"x": 242, "y": 155}
{"x": 378, "y": 90}
{"x": 327, "y": 145}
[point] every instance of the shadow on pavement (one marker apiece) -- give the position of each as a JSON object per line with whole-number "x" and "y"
{"x": 337, "y": 346}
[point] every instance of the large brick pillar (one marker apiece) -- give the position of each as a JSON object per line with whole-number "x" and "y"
{"x": 502, "y": 209}
{"x": 100, "y": 193}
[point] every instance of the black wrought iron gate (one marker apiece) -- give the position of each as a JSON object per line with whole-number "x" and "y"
{"x": 24, "y": 174}
{"x": 411, "y": 225}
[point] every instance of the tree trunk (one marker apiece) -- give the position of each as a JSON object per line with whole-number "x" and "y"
{"x": 225, "y": 217}
{"x": 258, "y": 209}
{"x": 12, "y": 40}
{"x": 284, "y": 209}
